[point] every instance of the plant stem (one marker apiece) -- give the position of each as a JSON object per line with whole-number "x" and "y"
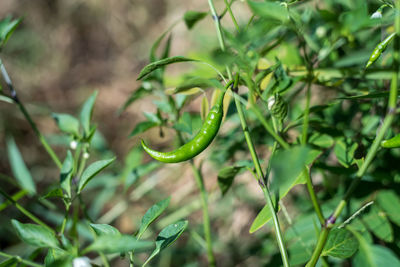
{"x": 206, "y": 219}
{"x": 372, "y": 151}
{"x": 15, "y": 197}
{"x": 228, "y": 6}
{"x": 250, "y": 145}
{"x": 21, "y": 106}
{"x": 24, "y": 211}
{"x": 20, "y": 260}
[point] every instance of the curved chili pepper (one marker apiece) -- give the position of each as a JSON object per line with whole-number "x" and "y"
{"x": 392, "y": 142}
{"x": 199, "y": 143}
{"x": 379, "y": 49}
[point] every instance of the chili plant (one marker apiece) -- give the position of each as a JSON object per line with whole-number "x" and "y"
{"x": 306, "y": 105}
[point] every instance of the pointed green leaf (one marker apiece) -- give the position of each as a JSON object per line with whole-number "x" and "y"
{"x": 56, "y": 192}
{"x": 344, "y": 151}
{"x": 35, "y": 235}
{"x": 92, "y": 171}
{"x": 86, "y": 113}
{"x": 143, "y": 126}
{"x": 163, "y": 62}
{"x": 117, "y": 244}
{"x": 341, "y": 244}
{"x": 104, "y": 229}
{"x": 18, "y": 167}
{"x": 67, "y": 123}
{"x": 192, "y": 17}
{"x": 167, "y": 236}
{"x": 378, "y": 224}
{"x": 13, "y": 262}
{"x": 226, "y": 176}
{"x": 390, "y": 203}
{"x": 7, "y": 27}
{"x": 269, "y": 10}
{"x": 152, "y": 214}
{"x": 66, "y": 174}
{"x": 285, "y": 186}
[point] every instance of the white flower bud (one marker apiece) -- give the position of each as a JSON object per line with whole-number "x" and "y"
{"x": 271, "y": 102}
{"x": 376, "y": 15}
{"x": 73, "y": 145}
{"x": 81, "y": 262}
{"x": 86, "y": 155}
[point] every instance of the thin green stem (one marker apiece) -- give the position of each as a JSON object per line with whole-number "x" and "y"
{"x": 267, "y": 195}
{"x": 306, "y": 114}
{"x": 206, "y": 218}
{"x": 15, "y": 197}
{"x": 21, "y": 106}
{"x": 250, "y": 145}
{"x": 323, "y": 236}
{"x": 20, "y": 260}
{"x": 228, "y": 6}
{"x": 371, "y": 152}
{"x": 24, "y": 211}
{"x": 313, "y": 196}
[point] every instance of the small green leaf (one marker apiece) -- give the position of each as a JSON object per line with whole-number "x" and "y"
{"x": 135, "y": 95}
{"x": 13, "y": 262}
{"x": 163, "y": 62}
{"x": 185, "y": 123}
{"x": 117, "y": 244}
{"x": 226, "y": 176}
{"x": 390, "y": 203}
{"x": 67, "y": 123}
{"x": 378, "y": 224}
{"x": 192, "y": 17}
{"x": 104, "y": 229}
{"x": 56, "y": 192}
{"x": 269, "y": 10}
{"x": 66, "y": 174}
{"x": 344, "y": 151}
{"x": 35, "y": 235}
{"x": 92, "y": 171}
{"x": 341, "y": 244}
{"x": 152, "y": 214}
{"x": 7, "y": 27}
{"x": 86, "y": 113}
{"x": 285, "y": 186}
{"x": 167, "y": 236}
{"x": 18, "y": 167}
{"x": 322, "y": 140}
{"x": 143, "y": 126}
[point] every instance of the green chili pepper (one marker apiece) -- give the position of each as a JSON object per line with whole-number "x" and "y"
{"x": 199, "y": 143}
{"x": 392, "y": 142}
{"x": 379, "y": 49}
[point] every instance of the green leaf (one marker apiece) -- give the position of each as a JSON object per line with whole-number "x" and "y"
{"x": 269, "y": 10}
{"x": 265, "y": 214}
{"x": 66, "y": 174}
{"x": 152, "y": 214}
{"x": 344, "y": 151}
{"x": 104, "y": 229}
{"x": 92, "y": 171}
{"x": 117, "y": 244}
{"x": 18, "y": 167}
{"x": 341, "y": 244}
{"x": 226, "y": 176}
{"x": 56, "y": 192}
{"x": 7, "y": 27}
{"x": 185, "y": 123}
{"x": 167, "y": 236}
{"x": 35, "y": 235}
{"x": 192, "y": 17}
{"x": 57, "y": 257}
{"x": 370, "y": 255}
{"x": 143, "y": 126}
{"x": 390, "y": 203}
{"x": 163, "y": 62}
{"x": 86, "y": 113}
{"x": 13, "y": 262}
{"x": 322, "y": 140}
{"x": 137, "y": 94}
{"x": 378, "y": 224}
{"x": 67, "y": 123}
